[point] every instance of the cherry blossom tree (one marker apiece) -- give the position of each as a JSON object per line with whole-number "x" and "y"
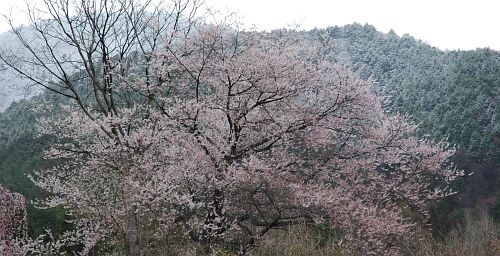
{"x": 224, "y": 135}
{"x": 242, "y": 134}
{"x": 13, "y": 220}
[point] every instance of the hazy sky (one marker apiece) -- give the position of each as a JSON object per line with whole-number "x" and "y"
{"x": 447, "y": 24}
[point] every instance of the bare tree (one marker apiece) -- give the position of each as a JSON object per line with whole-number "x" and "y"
{"x": 75, "y": 48}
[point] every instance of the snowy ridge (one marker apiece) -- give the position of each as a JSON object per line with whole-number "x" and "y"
{"x": 14, "y": 87}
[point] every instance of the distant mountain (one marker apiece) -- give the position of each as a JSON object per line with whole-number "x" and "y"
{"x": 12, "y": 87}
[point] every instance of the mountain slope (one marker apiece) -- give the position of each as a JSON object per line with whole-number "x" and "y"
{"x": 452, "y": 95}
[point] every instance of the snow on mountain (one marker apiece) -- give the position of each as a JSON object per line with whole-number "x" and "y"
{"x": 12, "y": 86}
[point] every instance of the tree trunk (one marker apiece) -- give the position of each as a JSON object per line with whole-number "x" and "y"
{"x": 133, "y": 242}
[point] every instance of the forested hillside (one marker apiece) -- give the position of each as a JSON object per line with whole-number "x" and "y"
{"x": 452, "y": 96}
{"x": 21, "y": 153}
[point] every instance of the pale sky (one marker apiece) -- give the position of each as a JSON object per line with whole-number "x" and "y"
{"x": 447, "y": 24}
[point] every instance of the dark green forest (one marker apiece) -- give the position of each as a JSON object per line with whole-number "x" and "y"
{"x": 453, "y": 96}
